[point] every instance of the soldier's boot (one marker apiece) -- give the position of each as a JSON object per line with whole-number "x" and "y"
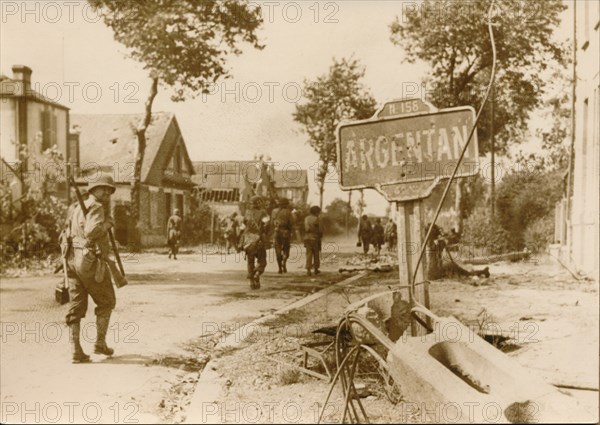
{"x": 280, "y": 265}
{"x": 256, "y": 280}
{"x": 78, "y": 356}
{"x": 100, "y": 347}
{"x": 283, "y": 264}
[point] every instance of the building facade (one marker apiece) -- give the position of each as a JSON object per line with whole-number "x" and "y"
{"x": 108, "y": 144}
{"x": 227, "y": 185}
{"x": 31, "y": 126}
{"x": 577, "y": 230}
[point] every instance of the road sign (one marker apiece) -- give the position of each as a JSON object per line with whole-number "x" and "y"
{"x": 401, "y": 107}
{"x": 382, "y": 153}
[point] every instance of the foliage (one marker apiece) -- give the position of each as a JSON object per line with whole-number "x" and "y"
{"x": 183, "y": 44}
{"x": 336, "y": 216}
{"x": 539, "y": 234}
{"x": 481, "y": 232}
{"x": 331, "y": 99}
{"x": 523, "y": 197}
{"x": 452, "y": 37}
{"x": 554, "y": 152}
{"x": 31, "y": 225}
{"x": 196, "y": 224}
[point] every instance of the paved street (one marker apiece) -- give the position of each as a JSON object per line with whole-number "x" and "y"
{"x": 166, "y": 307}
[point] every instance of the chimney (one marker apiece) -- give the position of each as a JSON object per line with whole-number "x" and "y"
{"x": 22, "y": 73}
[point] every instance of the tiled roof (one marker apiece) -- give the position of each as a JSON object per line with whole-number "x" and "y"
{"x": 109, "y": 139}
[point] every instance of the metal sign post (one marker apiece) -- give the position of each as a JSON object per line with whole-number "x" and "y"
{"x": 403, "y": 152}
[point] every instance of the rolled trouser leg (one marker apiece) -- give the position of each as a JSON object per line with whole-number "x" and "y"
{"x": 78, "y": 356}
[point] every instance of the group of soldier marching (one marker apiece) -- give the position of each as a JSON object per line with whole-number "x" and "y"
{"x": 85, "y": 243}
{"x": 259, "y": 231}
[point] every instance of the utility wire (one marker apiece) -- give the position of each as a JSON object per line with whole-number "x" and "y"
{"x": 346, "y": 322}
{"x": 462, "y": 153}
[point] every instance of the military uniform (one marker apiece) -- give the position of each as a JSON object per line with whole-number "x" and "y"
{"x": 231, "y": 232}
{"x": 365, "y": 233}
{"x": 88, "y": 273}
{"x": 312, "y": 240}
{"x": 174, "y": 234}
{"x": 283, "y": 223}
{"x": 256, "y": 228}
{"x": 377, "y": 236}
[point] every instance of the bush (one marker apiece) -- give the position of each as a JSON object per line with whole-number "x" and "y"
{"x": 539, "y": 234}
{"x": 196, "y": 224}
{"x": 333, "y": 219}
{"x": 480, "y": 232}
{"x": 525, "y": 197}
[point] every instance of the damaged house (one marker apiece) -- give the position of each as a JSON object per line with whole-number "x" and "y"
{"x": 108, "y": 144}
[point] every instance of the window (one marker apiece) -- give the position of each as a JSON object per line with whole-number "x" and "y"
{"x": 48, "y": 128}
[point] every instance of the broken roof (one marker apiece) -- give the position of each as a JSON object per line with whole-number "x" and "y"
{"x": 106, "y": 139}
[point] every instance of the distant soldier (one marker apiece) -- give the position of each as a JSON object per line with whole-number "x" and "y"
{"x": 377, "y": 236}
{"x": 230, "y": 231}
{"x": 283, "y": 222}
{"x": 256, "y": 227}
{"x": 87, "y": 251}
{"x": 365, "y": 233}
{"x": 174, "y": 233}
{"x": 312, "y": 240}
{"x": 390, "y": 235}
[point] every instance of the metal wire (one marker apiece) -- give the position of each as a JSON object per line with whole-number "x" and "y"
{"x": 348, "y": 319}
{"x": 462, "y": 153}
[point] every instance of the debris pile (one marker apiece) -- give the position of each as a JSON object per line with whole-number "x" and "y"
{"x": 376, "y": 263}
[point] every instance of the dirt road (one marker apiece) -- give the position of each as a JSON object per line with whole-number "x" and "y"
{"x": 163, "y": 323}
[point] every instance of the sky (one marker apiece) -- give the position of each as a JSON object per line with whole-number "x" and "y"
{"x": 76, "y": 62}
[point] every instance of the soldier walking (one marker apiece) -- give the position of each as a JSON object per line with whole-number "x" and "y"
{"x": 231, "y": 232}
{"x": 377, "y": 237}
{"x": 312, "y": 240}
{"x": 87, "y": 252}
{"x": 390, "y": 235}
{"x": 283, "y": 223}
{"x": 256, "y": 222}
{"x": 365, "y": 232}
{"x": 174, "y": 233}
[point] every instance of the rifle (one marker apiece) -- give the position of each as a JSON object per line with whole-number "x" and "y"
{"x": 119, "y": 274}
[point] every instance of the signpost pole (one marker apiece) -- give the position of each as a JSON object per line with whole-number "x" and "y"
{"x": 410, "y": 237}
{"x": 403, "y": 152}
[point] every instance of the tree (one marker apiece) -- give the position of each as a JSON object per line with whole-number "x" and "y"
{"x": 183, "y": 44}
{"x": 558, "y": 109}
{"x": 338, "y": 215}
{"x": 332, "y": 98}
{"x": 452, "y": 37}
